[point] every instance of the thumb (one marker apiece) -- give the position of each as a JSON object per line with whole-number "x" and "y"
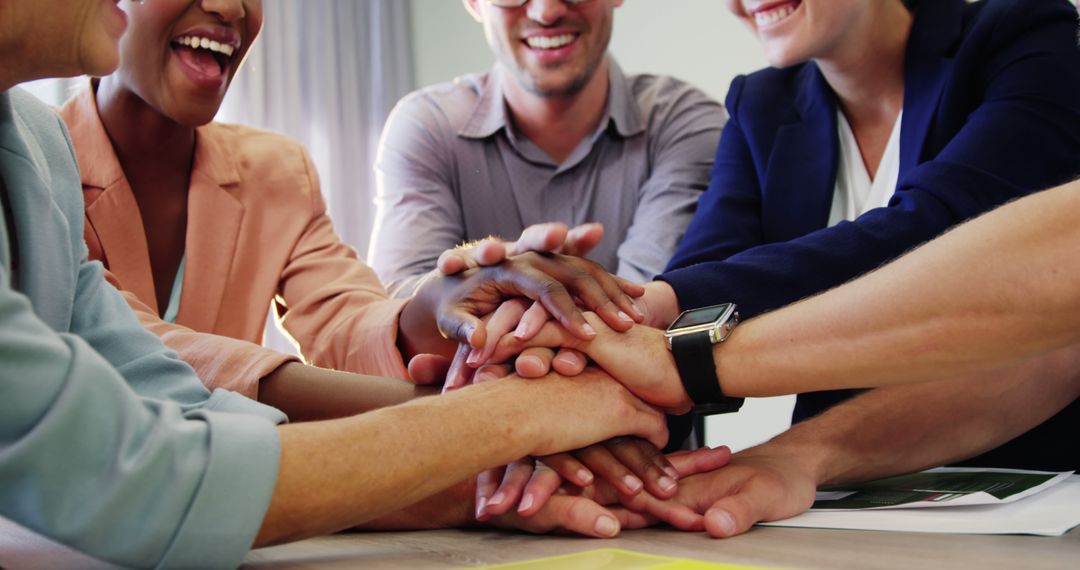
{"x": 733, "y": 514}
{"x": 582, "y": 239}
{"x": 426, "y": 369}
{"x": 455, "y": 323}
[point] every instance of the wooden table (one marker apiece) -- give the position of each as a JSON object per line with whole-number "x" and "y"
{"x": 780, "y": 547}
{"x": 764, "y": 546}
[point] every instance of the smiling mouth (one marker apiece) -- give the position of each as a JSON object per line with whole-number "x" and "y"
{"x": 209, "y": 57}
{"x": 775, "y": 13}
{"x": 550, "y": 42}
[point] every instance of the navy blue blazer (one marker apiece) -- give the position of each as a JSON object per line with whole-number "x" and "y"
{"x": 991, "y": 112}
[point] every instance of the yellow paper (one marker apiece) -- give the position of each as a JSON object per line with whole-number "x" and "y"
{"x": 615, "y": 559}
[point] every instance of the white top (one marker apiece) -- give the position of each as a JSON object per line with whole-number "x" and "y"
{"x": 855, "y": 192}
{"x": 173, "y": 310}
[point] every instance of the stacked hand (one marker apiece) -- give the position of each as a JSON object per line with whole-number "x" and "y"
{"x": 549, "y": 330}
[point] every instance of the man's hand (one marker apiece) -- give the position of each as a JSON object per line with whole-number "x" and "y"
{"x": 760, "y": 484}
{"x": 552, "y": 237}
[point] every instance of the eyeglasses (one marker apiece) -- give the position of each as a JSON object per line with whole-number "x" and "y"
{"x": 520, "y": 3}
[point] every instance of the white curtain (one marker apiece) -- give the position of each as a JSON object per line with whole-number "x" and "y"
{"x": 328, "y": 72}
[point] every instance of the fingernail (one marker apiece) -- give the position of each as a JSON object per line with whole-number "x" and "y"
{"x": 666, "y": 483}
{"x": 672, "y": 472}
{"x": 569, "y": 359}
{"x": 724, "y": 521}
{"x": 480, "y": 504}
{"x": 532, "y": 360}
{"x": 606, "y": 526}
{"x": 526, "y": 502}
{"x": 496, "y": 499}
{"x": 633, "y": 483}
{"x": 519, "y": 332}
{"x": 637, "y": 308}
{"x": 588, "y": 329}
{"x": 473, "y": 358}
{"x": 584, "y": 476}
{"x": 625, "y": 317}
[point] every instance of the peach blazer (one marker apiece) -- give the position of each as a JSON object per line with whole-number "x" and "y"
{"x": 257, "y": 233}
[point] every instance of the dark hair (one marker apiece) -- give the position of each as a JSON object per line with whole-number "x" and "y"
{"x": 911, "y": 4}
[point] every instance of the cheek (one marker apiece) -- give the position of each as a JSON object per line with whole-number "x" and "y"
{"x": 253, "y": 19}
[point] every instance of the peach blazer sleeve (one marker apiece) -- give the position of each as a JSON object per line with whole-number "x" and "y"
{"x": 258, "y": 236}
{"x": 333, "y": 304}
{"x": 219, "y": 361}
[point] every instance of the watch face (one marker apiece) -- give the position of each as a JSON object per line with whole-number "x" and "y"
{"x": 703, "y": 316}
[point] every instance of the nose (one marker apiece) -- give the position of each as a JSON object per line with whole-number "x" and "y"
{"x": 546, "y": 12}
{"x": 227, "y": 10}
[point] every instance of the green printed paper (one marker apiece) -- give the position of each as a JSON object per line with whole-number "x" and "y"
{"x": 931, "y": 486}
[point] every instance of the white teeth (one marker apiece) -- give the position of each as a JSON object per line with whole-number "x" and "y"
{"x": 773, "y": 16}
{"x": 549, "y": 42}
{"x": 207, "y": 44}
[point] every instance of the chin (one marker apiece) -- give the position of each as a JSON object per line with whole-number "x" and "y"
{"x": 782, "y": 56}
{"x": 559, "y": 86}
{"x": 100, "y": 63}
{"x": 195, "y": 118}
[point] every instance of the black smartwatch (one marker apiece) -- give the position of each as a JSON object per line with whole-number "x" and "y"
{"x": 691, "y": 338}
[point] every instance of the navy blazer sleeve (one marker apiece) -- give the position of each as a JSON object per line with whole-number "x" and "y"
{"x": 1020, "y": 133}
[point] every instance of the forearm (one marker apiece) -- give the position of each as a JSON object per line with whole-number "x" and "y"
{"x": 342, "y": 473}
{"x": 453, "y": 507}
{"x": 901, "y": 429}
{"x": 995, "y": 290}
{"x": 307, "y": 393}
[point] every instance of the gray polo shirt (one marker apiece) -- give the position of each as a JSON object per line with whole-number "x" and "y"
{"x": 451, "y": 168}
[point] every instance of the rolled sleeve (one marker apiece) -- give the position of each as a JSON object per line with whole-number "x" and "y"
{"x": 132, "y": 480}
{"x": 240, "y": 475}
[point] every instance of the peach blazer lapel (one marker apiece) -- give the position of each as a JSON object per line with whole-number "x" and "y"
{"x": 215, "y": 217}
{"x": 112, "y": 215}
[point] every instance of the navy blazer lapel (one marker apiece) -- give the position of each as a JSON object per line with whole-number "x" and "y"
{"x": 938, "y": 26}
{"x": 801, "y": 173}
{"x": 45, "y": 271}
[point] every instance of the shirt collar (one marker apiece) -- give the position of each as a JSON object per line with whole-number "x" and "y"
{"x": 490, "y": 114}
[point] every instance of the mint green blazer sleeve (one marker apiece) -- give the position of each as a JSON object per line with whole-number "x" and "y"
{"x": 108, "y": 442}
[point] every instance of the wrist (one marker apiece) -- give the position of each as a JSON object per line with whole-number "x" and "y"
{"x": 810, "y": 450}
{"x": 418, "y": 329}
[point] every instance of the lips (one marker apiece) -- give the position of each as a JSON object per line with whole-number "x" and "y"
{"x": 775, "y": 12}
{"x": 550, "y": 42}
{"x": 206, "y": 55}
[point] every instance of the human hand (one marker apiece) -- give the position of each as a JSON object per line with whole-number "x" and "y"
{"x": 574, "y": 514}
{"x": 628, "y": 465}
{"x": 558, "y": 413}
{"x": 764, "y": 483}
{"x": 558, "y": 282}
{"x": 584, "y": 510}
{"x": 638, "y": 358}
{"x": 552, "y": 237}
{"x": 533, "y": 362}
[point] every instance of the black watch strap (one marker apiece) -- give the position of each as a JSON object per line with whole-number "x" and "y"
{"x": 694, "y": 358}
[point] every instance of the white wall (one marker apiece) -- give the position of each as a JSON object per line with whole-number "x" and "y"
{"x": 695, "y": 40}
